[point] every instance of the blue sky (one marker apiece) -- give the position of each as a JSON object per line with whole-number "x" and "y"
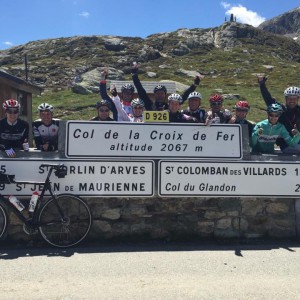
{"x": 23, "y": 21}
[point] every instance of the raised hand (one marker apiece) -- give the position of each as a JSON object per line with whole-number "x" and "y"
{"x": 104, "y": 74}
{"x": 114, "y": 90}
{"x": 135, "y": 68}
{"x": 261, "y": 78}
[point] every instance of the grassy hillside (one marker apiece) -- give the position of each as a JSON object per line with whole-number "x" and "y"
{"x": 232, "y": 72}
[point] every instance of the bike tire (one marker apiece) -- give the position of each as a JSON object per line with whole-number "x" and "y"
{"x": 3, "y": 222}
{"x": 64, "y": 221}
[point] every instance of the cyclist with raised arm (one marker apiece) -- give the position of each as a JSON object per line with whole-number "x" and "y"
{"x": 13, "y": 130}
{"x": 266, "y": 132}
{"x": 127, "y": 96}
{"x": 137, "y": 105}
{"x": 45, "y": 129}
{"x": 160, "y": 92}
{"x": 218, "y": 114}
{"x": 290, "y": 116}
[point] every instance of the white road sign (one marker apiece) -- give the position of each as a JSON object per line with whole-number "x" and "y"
{"x": 125, "y": 139}
{"x": 88, "y": 178}
{"x": 236, "y": 179}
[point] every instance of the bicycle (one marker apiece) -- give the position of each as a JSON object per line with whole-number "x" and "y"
{"x": 63, "y": 220}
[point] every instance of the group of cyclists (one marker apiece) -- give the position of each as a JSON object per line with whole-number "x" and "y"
{"x": 280, "y": 127}
{"x": 14, "y": 132}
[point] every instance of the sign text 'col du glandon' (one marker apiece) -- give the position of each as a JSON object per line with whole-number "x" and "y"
{"x": 237, "y": 179}
{"x": 109, "y": 139}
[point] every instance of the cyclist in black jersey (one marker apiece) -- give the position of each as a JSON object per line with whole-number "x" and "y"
{"x": 241, "y": 109}
{"x": 218, "y": 114}
{"x": 194, "y": 109}
{"x": 175, "y": 115}
{"x": 45, "y": 129}
{"x": 103, "y": 109}
{"x": 13, "y": 130}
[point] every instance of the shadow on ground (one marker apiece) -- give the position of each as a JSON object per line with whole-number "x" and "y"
{"x": 38, "y": 248}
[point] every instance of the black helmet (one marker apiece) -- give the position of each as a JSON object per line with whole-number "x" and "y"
{"x": 127, "y": 86}
{"x": 103, "y": 103}
{"x": 160, "y": 88}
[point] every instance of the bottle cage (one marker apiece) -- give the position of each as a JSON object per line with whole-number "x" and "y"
{"x": 61, "y": 172}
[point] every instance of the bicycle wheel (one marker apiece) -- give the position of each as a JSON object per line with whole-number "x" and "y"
{"x": 3, "y": 222}
{"x": 64, "y": 221}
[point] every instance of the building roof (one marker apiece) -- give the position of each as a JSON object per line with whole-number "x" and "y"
{"x": 19, "y": 83}
{"x": 147, "y": 85}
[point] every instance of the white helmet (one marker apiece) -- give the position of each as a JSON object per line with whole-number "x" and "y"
{"x": 292, "y": 91}
{"x": 137, "y": 102}
{"x": 194, "y": 95}
{"x": 175, "y": 97}
{"x": 45, "y": 106}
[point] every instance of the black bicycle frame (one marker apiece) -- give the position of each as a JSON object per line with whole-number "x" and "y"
{"x": 46, "y": 187}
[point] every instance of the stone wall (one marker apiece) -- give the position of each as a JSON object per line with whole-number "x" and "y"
{"x": 187, "y": 218}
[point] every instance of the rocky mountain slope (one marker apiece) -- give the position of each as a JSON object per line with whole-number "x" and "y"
{"x": 286, "y": 24}
{"x": 232, "y": 50}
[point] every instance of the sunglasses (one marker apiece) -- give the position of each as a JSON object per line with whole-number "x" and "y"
{"x": 12, "y": 112}
{"x": 104, "y": 110}
{"x": 242, "y": 109}
{"x": 274, "y": 115}
{"x": 138, "y": 107}
{"x": 216, "y": 103}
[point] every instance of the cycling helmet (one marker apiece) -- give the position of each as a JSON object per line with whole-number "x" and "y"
{"x": 45, "y": 106}
{"x": 160, "y": 88}
{"x": 137, "y": 102}
{"x": 275, "y": 108}
{"x": 175, "y": 97}
{"x": 194, "y": 95}
{"x": 11, "y": 103}
{"x": 292, "y": 91}
{"x": 103, "y": 103}
{"x": 215, "y": 98}
{"x": 242, "y": 105}
{"x": 127, "y": 86}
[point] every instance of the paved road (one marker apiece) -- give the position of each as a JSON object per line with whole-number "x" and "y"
{"x": 153, "y": 271}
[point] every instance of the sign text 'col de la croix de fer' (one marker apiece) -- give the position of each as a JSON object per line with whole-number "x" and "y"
{"x": 124, "y": 139}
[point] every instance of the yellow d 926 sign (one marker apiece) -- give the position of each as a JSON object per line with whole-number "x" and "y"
{"x": 156, "y": 116}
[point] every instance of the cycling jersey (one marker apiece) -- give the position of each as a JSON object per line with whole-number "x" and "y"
{"x": 198, "y": 114}
{"x": 44, "y": 134}
{"x": 13, "y": 136}
{"x": 122, "y": 114}
{"x": 179, "y": 117}
{"x": 220, "y": 117}
{"x": 265, "y": 142}
{"x": 98, "y": 119}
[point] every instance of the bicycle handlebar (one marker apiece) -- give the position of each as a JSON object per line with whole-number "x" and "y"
{"x": 53, "y": 166}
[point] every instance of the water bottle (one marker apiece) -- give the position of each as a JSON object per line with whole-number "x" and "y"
{"x": 17, "y": 204}
{"x": 33, "y": 201}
